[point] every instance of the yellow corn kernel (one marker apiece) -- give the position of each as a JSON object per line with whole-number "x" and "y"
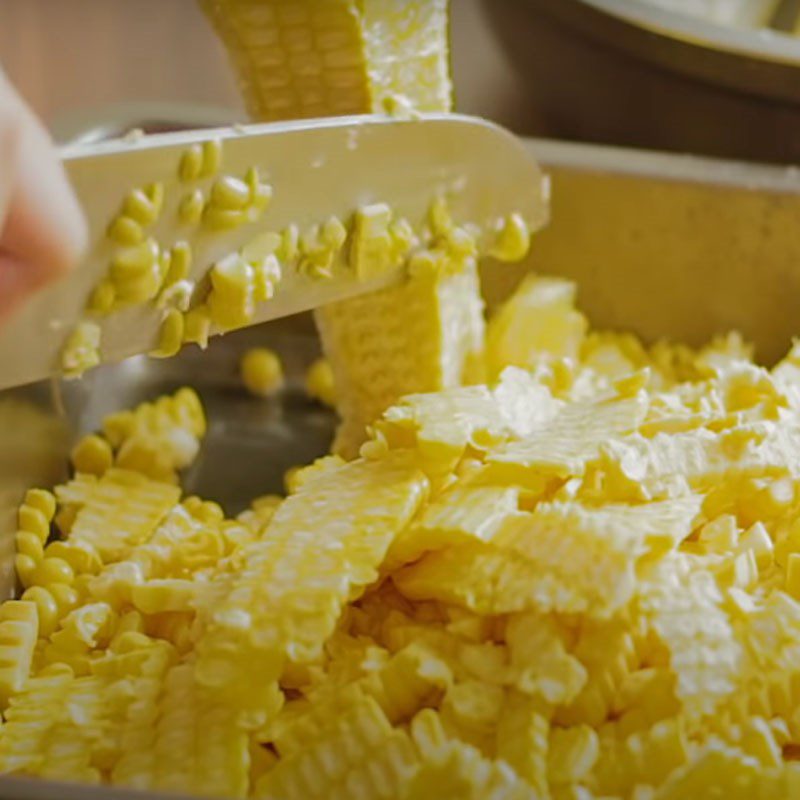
{"x": 756, "y": 539}
{"x": 371, "y": 251}
{"x": 266, "y": 277}
{"x": 18, "y": 632}
{"x": 291, "y": 478}
{"x": 66, "y": 597}
{"x": 130, "y": 264}
{"x": 176, "y": 296}
{"x": 156, "y": 596}
{"x": 47, "y": 609}
{"x": 190, "y": 208}
{"x": 81, "y": 350}
{"x": 572, "y": 752}
{"x": 191, "y": 163}
{"x": 212, "y": 157}
{"x": 125, "y": 230}
{"x": 141, "y": 207}
{"x": 197, "y": 326}
{"x": 102, "y": 298}
{"x": 42, "y": 500}
{"x": 513, "y": 240}
{"x": 180, "y": 263}
{"x": 229, "y": 193}
{"x": 289, "y": 248}
{"x": 260, "y": 199}
{"x": 230, "y": 302}
{"x": 319, "y": 382}
{"x": 793, "y": 575}
{"x": 262, "y": 371}
{"x": 261, "y": 246}
{"x": 33, "y": 519}
{"x": 333, "y": 233}
{"x": 53, "y": 570}
{"x": 81, "y": 556}
{"x": 25, "y": 567}
{"x": 92, "y": 455}
{"x": 170, "y": 337}
{"x": 222, "y": 219}
{"x": 29, "y": 544}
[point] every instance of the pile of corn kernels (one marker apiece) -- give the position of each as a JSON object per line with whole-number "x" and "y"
{"x": 580, "y": 580}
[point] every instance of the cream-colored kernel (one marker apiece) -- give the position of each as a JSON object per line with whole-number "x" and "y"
{"x": 793, "y": 575}
{"x": 261, "y": 246}
{"x": 81, "y": 350}
{"x": 178, "y": 295}
{"x": 266, "y": 277}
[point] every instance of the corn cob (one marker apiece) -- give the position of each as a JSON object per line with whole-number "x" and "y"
{"x": 285, "y": 601}
{"x": 314, "y": 58}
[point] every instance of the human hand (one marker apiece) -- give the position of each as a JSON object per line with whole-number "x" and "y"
{"x": 42, "y": 228}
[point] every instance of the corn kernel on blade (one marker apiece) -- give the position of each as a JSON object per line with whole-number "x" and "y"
{"x": 317, "y": 169}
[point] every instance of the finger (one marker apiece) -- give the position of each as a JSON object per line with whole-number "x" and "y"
{"x": 44, "y": 226}
{"x": 16, "y": 283}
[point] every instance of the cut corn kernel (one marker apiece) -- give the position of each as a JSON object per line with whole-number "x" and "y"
{"x": 81, "y": 350}
{"x": 231, "y": 303}
{"x": 170, "y": 336}
{"x": 190, "y": 208}
{"x": 191, "y": 163}
{"x": 125, "y": 230}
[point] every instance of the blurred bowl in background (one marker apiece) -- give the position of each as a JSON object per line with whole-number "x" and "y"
{"x": 626, "y": 72}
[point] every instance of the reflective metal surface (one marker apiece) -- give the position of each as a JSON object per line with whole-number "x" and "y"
{"x": 624, "y": 72}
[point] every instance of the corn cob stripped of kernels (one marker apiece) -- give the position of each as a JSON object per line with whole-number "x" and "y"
{"x": 579, "y": 581}
{"x": 316, "y": 58}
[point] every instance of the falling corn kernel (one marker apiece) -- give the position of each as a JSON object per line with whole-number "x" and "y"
{"x": 180, "y": 263}
{"x": 92, "y": 455}
{"x": 81, "y": 350}
{"x": 170, "y": 335}
{"x": 262, "y": 371}
{"x": 319, "y": 382}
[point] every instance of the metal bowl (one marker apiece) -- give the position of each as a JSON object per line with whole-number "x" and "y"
{"x": 625, "y": 72}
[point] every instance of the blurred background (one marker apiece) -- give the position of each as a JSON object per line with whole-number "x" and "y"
{"x": 719, "y": 77}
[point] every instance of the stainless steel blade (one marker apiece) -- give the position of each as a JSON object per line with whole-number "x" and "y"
{"x": 317, "y": 168}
